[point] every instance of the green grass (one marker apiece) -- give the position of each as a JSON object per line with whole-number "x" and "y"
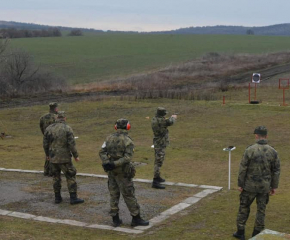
{"x": 195, "y": 156}
{"x": 97, "y": 57}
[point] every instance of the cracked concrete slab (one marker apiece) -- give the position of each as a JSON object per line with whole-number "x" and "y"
{"x": 72, "y": 222}
{"x": 186, "y": 185}
{"x": 175, "y": 209}
{"x": 204, "y": 193}
{"x": 46, "y": 219}
{"x": 4, "y": 212}
{"x": 191, "y": 200}
{"x": 21, "y": 215}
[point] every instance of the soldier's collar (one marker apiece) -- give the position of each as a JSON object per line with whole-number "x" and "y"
{"x": 262, "y": 141}
{"x": 122, "y": 131}
{"x": 60, "y": 120}
{"x": 53, "y": 111}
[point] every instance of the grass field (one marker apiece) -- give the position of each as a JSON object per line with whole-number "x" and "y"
{"x": 105, "y": 56}
{"x": 195, "y": 156}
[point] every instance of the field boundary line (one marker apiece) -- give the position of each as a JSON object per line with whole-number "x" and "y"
{"x": 207, "y": 190}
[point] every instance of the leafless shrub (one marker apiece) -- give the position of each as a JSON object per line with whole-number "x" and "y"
{"x": 19, "y": 76}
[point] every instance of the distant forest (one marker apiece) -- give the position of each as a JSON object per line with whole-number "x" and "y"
{"x": 25, "y": 33}
{"x": 274, "y": 30}
{"x": 28, "y": 30}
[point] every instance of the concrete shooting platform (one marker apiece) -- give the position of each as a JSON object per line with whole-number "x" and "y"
{"x": 29, "y": 195}
{"x": 268, "y": 234}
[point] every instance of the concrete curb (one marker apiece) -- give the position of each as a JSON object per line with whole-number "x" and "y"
{"x": 136, "y": 230}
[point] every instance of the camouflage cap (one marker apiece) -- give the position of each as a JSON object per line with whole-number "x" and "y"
{"x": 53, "y": 104}
{"x": 161, "y": 111}
{"x": 61, "y": 114}
{"x": 121, "y": 123}
{"x": 261, "y": 130}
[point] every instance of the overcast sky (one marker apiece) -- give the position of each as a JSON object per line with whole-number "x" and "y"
{"x": 146, "y": 15}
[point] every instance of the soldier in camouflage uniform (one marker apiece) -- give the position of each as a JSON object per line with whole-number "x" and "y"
{"x": 159, "y": 126}
{"x": 44, "y": 122}
{"x": 116, "y": 155}
{"x": 59, "y": 147}
{"x": 258, "y": 178}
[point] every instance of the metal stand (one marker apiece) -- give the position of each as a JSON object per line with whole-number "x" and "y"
{"x": 229, "y": 149}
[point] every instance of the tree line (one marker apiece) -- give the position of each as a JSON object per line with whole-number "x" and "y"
{"x": 25, "y": 33}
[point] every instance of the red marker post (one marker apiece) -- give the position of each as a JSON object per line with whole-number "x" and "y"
{"x": 284, "y": 84}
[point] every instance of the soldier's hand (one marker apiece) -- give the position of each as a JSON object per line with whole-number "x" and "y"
{"x": 47, "y": 158}
{"x": 273, "y": 191}
{"x": 174, "y": 116}
{"x": 77, "y": 159}
{"x": 240, "y": 189}
{"x": 108, "y": 166}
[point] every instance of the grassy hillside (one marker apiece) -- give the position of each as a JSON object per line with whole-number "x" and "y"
{"x": 202, "y": 130}
{"x": 97, "y": 57}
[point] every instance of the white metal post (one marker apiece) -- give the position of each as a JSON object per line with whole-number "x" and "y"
{"x": 230, "y": 170}
{"x": 229, "y": 149}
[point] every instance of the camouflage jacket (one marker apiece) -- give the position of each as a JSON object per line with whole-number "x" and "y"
{"x": 260, "y": 168}
{"x": 159, "y": 126}
{"x": 59, "y": 143}
{"x": 47, "y": 120}
{"x": 119, "y": 148}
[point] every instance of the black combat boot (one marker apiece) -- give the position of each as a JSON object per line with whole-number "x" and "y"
{"x": 156, "y": 184}
{"x": 255, "y": 232}
{"x": 117, "y": 221}
{"x": 159, "y": 179}
{"x": 240, "y": 234}
{"x": 57, "y": 197}
{"x": 74, "y": 199}
{"x": 138, "y": 221}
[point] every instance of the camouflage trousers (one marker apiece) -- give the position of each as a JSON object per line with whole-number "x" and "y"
{"x": 159, "y": 159}
{"x": 246, "y": 199}
{"x": 69, "y": 172}
{"x": 117, "y": 184}
{"x": 47, "y": 169}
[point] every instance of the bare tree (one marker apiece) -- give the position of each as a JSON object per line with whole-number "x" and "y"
{"x": 20, "y": 76}
{"x": 3, "y": 45}
{"x": 19, "y": 69}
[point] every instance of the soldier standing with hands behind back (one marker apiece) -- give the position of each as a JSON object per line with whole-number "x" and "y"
{"x": 44, "y": 122}
{"x": 258, "y": 178}
{"x": 59, "y": 146}
{"x": 159, "y": 126}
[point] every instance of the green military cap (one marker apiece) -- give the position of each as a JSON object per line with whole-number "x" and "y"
{"x": 122, "y": 123}
{"x": 161, "y": 111}
{"x": 261, "y": 130}
{"x": 61, "y": 114}
{"x": 53, "y": 104}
